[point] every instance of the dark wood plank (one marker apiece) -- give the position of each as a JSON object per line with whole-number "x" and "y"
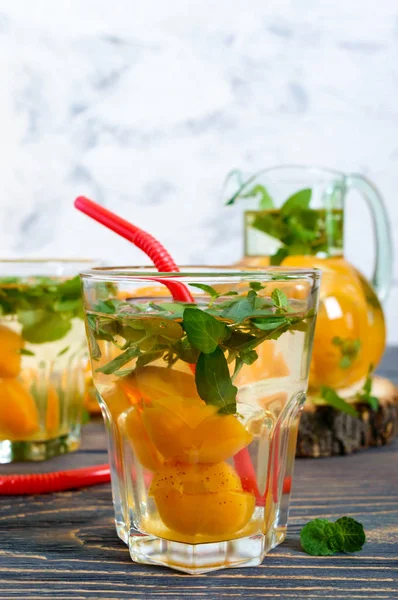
{"x": 64, "y": 546}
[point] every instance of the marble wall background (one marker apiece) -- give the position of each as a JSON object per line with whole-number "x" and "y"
{"x": 146, "y": 105}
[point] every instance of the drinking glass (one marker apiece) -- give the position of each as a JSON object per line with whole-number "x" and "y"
{"x": 43, "y": 358}
{"x": 201, "y": 402}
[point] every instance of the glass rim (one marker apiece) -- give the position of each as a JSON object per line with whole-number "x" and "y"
{"x": 114, "y": 273}
{"x": 42, "y": 261}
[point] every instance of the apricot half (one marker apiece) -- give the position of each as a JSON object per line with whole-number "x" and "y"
{"x": 201, "y": 499}
{"x": 10, "y": 352}
{"x": 144, "y": 449}
{"x": 191, "y": 431}
{"x": 19, "y": 416}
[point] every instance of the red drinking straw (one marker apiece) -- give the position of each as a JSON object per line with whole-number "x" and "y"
{"x": 41, "y": 483}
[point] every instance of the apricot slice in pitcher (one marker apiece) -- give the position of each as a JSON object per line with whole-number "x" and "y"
{"x": 10, "y": 352}
{"x": 201, "y": 499}
{"x": 270, "y": 363}
{"x": 19, "y": 416}
{"x": 145, "y": 451}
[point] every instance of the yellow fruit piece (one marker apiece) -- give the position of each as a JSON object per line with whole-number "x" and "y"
{"x": 19, "y": 417}
{"x": 344, "y": 312}
{"x": 10, "y": 352}
{"x": 201, "y": 500}
{"x": 116, "y": 401}
{"x": 191, "y": 431}
{"x": 270, "y": 363}
{"x": 137, "y": 436}
{"x": 153, "y": 383}
{"x": 196, "y": 479}
{"x": 53, "y": 410}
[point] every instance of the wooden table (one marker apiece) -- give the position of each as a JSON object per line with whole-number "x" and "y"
{"x": 64, "y": 546}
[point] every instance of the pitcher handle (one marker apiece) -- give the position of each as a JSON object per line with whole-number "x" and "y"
{"x": 382, "y": 274}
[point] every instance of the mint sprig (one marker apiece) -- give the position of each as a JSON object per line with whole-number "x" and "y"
{"x": 319, "y": 537}
{"x": 45, "y": 307}
{"x": 332, "y": 398}
{"x": 365, "y": 395}
{"x": 224, "y": 332}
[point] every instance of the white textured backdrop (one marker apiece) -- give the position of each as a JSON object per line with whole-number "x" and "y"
{"x": 146, "y": 105}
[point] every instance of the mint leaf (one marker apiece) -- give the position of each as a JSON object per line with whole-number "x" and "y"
{"x": 206, "y": 288}
{"x": 63, "y": 351}
{"x": 119, "y": 361}
{"x": 213, "y": 381}
{"x": 280, "y": 299}
{"x": 256, "y": 286}
{"x": 299, "y": 200}
{"x": 333, "y": 399}
{"x": 26, "y": 352}
{"x": 352, "y": 533}
{"x": 239, "y": 310}
{"x": 204, "y": 331}
{"x": 41, "y": 326}
{"x": 279, "y": 256}
{"x": 365, "y": 394}
{"x": 321, "y": 538}
{"x": 349, "y": 350}
{"x": 260, "y": 191}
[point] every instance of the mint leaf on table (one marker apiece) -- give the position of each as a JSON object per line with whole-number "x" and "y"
{"x": 332, "y": 398}
{"x": 319, "y": 537}
{"x": 213, "y": 381}
{"x": 204, "y": 331}
{"x": 353, "y": 534}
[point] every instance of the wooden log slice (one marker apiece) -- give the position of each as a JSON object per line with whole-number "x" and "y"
{"x": 325, "y": 431}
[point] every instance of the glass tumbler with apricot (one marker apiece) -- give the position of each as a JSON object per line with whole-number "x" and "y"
{"x": 43, "y": 355}
{"x": 201, "y": 402}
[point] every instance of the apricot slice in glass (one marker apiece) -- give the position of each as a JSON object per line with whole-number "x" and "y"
{"x": 153, "y": 383}
{"x": 116, "y": 400}
{"x": 201, "y": 499}
{"x": 192, "y": 431}
{"x": 19, "y": 416}
{"x": 10, "y": 352}
{"x": 145, "y": 451}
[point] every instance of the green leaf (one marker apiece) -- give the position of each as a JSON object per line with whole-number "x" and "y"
{"x": 41, "y": 326}
{"x": 248, "y": 356}
{"x": 71, "y": 287}
{"x": 280, "y": 299}
{"x": 213, "y": 381}
{"x": 26, "y": 352}
{"x": 352, "y": 533}
{"x": 299, "y": 200}
{"x": 260, "y": 191}
{"x": 256, "y": 286}
{"x": 333, "y": 399}
{"x": 70, "y": 305}
{"x": 186, "y": 352}
{"x": 63, "y": 351}
{"x": 273, "y": 322}
{"x": 121, "y": 360}
{"x": 239, "y": 310}
{"x": 321, "y": 538}
{"x": 232, "y": 293}
{"x": 204, "y": 331}
{"x": 206, "y": 288}
{"x": 149, "y": 357}
{"x": 365, "y": 394}
{"x": 279, "y": 256}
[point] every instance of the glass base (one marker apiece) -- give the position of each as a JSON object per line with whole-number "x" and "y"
{"x": 38, "y": 450}
{"x": 202, "y": 558}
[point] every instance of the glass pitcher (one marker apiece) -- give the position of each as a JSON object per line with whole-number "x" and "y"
{"x": 294, "y": 216}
